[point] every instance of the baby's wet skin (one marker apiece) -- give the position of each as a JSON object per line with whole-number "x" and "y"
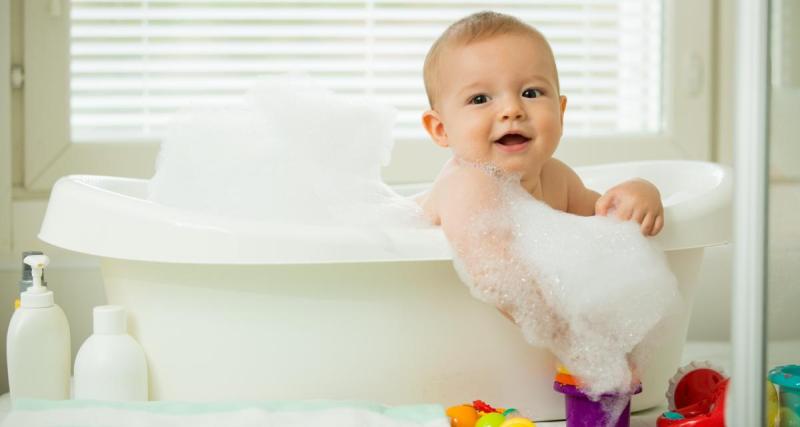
{"x": 502, "y": 108}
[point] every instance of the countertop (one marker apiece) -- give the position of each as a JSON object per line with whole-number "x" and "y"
{"x": 718, "y": 353}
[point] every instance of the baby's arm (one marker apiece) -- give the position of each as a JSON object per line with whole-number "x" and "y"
{"x": 635, "y": 199}
{"x": 468, "y": 203}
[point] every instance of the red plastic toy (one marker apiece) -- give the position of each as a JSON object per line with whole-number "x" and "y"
{"x": 696, "y": 397}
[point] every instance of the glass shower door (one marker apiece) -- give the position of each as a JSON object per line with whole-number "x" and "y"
{"x": 783, "y": 241}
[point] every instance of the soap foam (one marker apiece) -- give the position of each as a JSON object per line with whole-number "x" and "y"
{"x": 587, "y": 288}
{"x": 291, "y": 151}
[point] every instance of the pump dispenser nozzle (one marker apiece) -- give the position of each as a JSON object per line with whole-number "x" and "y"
{"x": 26, "y": 270}
{"x": 26, "y": 280}
{"x": 37, "y": 296}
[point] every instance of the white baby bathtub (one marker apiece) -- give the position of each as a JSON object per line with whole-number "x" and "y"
{"x": 230, "y": 309}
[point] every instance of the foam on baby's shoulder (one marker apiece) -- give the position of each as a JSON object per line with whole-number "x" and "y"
{"x": 461, "y": 181}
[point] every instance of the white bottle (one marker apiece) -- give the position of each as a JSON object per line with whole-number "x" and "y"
{"x": 110, "y": 364}
{"x": 37, "y": 343}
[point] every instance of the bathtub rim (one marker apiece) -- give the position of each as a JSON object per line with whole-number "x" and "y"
{"x": 86, "y": 214}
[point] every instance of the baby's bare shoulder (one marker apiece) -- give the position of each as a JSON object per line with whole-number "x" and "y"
{"x": 556, "y": 178}
{"x": 556, "y": 172}
{"x": 568, "y": 188}
{"x": 458, "y": 189}
{"x": 466, "y": 183}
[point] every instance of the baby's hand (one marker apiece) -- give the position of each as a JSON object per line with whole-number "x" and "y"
{"x": 635, "y": 199}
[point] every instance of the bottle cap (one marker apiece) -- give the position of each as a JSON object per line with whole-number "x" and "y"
{"x": 30, "y": 299}
{"x": 110, "y": 319}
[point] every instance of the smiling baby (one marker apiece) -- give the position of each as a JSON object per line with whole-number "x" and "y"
{"x": 495, "y": 100}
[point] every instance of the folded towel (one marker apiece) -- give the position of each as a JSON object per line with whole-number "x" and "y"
{"x": 86, "y": 413}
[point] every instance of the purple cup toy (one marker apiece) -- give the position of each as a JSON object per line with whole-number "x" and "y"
{"x": 583, "y": 412}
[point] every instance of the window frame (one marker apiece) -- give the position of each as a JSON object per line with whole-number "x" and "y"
{"x": 687, "y": 109}
{"x": 5, "y": 127}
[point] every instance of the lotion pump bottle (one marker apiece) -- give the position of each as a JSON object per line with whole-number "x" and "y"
{"x": 110, "y": 365}
{"x": 38, "y": 343}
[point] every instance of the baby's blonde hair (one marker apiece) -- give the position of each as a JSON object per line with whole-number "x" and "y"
{"x": 476, "y": 27}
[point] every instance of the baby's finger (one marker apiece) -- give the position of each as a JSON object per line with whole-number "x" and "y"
{"x": 639, "y": 215}
{"x": 658, "y": 225}
{"x": 624, "y": 212}
{"x": 647, "y": 224}
{"x": 602, "y": 205}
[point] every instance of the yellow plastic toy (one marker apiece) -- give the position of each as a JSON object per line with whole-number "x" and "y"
{"x": 481, "y": 414}
{"x": 772, "y": 405}
{"x": 518, "y": 422}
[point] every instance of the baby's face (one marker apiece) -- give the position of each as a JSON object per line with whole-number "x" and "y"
{"x": 499, "y": 102}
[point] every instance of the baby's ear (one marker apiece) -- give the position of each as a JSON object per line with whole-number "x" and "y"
{"x": 435, "y": 127}
{"x": 563, "y": 108}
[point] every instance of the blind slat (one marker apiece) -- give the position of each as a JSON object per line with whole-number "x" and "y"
{"x": 136, "y": 62}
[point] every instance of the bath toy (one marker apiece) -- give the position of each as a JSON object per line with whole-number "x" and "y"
{"x": 773, "y": 408}
{"x": 787, "y": 379}
{"x": 788, "y": 418}
{"x": 563, "y": 376}
{"x": 493, "y": 419}
{"x": 482, "y": 406}
{"x": 518, "y": 422}
{"x": 481, "y": 414}
{"x": 696, "y": 397}
{"x": 582, "y": 410}
{"x": 462, "y": 416}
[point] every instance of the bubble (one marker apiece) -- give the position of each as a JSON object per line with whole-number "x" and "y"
{"x": 291, "y": 151}
{"x": 589, "y": 289}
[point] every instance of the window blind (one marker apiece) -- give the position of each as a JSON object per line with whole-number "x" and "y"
{"x": 134, "y": 63}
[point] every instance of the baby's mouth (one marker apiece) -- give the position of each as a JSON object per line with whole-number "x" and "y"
{"x": 512, "y": 139}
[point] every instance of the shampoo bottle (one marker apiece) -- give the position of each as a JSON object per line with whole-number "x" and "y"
{"x": 38, "y": 344}
{"x": 110, "y": 365}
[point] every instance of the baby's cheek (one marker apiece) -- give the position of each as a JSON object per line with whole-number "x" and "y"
{"x": 549, "y": 125}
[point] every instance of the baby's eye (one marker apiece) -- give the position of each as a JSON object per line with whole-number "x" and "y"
{"x": 532, "y": 93}
{"x": 479, "y": 99}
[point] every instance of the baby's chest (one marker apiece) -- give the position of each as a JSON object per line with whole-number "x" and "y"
{"x": 554, "y": 195}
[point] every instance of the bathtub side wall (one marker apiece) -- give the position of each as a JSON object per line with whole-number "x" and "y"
{"x": 77, "y": 281}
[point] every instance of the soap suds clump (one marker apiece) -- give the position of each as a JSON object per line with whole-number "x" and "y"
{"x": 291, "y": 152}
{"x": 589, "y": 289}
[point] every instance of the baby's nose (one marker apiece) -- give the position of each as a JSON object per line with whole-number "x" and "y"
{"x": 513, "y": 112}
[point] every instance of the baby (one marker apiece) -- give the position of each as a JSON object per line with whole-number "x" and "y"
{"x": 495, "y": 100}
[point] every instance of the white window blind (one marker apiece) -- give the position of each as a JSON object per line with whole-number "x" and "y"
{"x": 133, "y": 63}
